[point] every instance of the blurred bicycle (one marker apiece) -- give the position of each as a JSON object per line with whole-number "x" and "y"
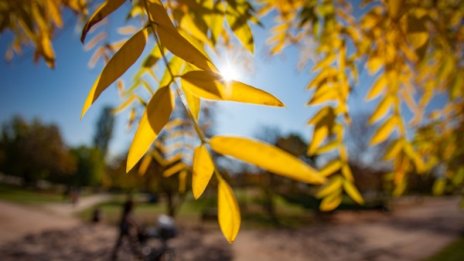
{"x": 153, "y": 241}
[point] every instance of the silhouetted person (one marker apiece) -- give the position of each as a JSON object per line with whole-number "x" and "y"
{"x": 127, "y": 229}
{"x": 96, "y": 215}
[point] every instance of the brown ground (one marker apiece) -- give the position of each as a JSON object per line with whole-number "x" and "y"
{"x": 412, "y": 232}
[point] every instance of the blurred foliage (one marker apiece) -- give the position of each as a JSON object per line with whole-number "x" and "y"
{"x": 34, "y": 150}
{"x": 412, "y": 49}
{"x": 36, "y": 22}
{"x": 452, "y": 252}
{"x": 90, "y": 166}
{"x": 104, "y": 130}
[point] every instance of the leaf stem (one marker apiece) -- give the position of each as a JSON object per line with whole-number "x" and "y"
{"x": 196, "y": 126}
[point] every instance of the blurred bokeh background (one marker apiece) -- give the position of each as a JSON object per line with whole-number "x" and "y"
{"x": 64, "y": 186}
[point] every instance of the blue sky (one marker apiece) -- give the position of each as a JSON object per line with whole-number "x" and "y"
{"x": 34, "y": 90}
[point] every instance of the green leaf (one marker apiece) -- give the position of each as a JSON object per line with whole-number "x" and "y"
{"x": 156, "y": 115}
{"x": 117, "y": 65}
{"x": 267, "y": 157}
{"x": 105, "y": 9}
{"x": 203, "y": 169}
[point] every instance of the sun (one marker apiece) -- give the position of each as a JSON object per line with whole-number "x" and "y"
{"x": 229, "y": 72}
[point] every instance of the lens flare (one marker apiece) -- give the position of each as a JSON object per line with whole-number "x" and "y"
{"x": 229, "y": 72}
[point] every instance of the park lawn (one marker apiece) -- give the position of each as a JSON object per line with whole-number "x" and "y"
{"x": 27, "y": 196}
{"x": 190, "y": 212}
{"x": 452, "y": 252}
{"x": 144, "y": 213}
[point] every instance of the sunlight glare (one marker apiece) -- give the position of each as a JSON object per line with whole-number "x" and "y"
{"x": 229, "y": 72}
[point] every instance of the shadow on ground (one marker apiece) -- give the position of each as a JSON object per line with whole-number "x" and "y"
{"x": 96, "y": 243}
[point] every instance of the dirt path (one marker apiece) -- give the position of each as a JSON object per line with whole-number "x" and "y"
{"x": 411, "y": 233}
{"x": 18, "y": 221}
{"x": 67, "y": 209}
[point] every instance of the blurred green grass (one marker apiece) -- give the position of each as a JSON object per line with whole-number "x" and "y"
{"x": 452, "y": 252}
{"x": 26, "y": 196}
{"x": 203, "y": 211}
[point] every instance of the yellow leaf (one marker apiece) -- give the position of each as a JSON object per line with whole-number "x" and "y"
{"x": 178, "y": 167}
{"x": 331, "y": 202}
{"x": 153, "y": 120}
{"x": 228, "y": 211}
{"x": 439, "y": 186}
{"x": 182, "y": 181}
{"x": 418, "y": 39}
{"x": 384, "y": 131}
{"x": 127, "y": 30}
{"x": 203, "y": 169}
{"x": 47, "y": 51}
{"x": 384, "y": 106}
{"x": 245, "y": 36}
{"x": 173, "y": 40}
{"x": 241, "y": 29}
{"x": 209, "y": 85}
{"x": 215, "y": 20}
{"x": 117, "y": 65}
{"x": 320, "y": 115}
{"x": 145, "y": 164}
{"x": 346, "y": 172}
{"x": 353, "y": 192}
{"x": 157, "y": 156}
{"x": 321, "y": 78}
{"x": 394, "y": 7}
{"x": 319, "y": 135}
{"x": 331, "y": 168}
{"x": 331, "y": 145}
{"x": 377, "y": 88}
{"x": 125, "y": 104}
{"x": 414, "y": 156}
{"x": 54, "y": 10}
{"x": 267, "y": 157}
{"x": 400, "y": 187}
{"x": 393, "y": 149}
{"x": 374, "y": 63}
{"x": 333, "y": 185}
{"x": 102, "y": 11}
{"x": 323, "y": 95}
{"x": 193, "y": 103}
{"x": 328, "y": 60}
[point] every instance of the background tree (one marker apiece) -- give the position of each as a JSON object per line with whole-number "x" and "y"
{"x": 34, "y": 150}
{"x": 104, "y": 130}
{"x": 90, "y": 166}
